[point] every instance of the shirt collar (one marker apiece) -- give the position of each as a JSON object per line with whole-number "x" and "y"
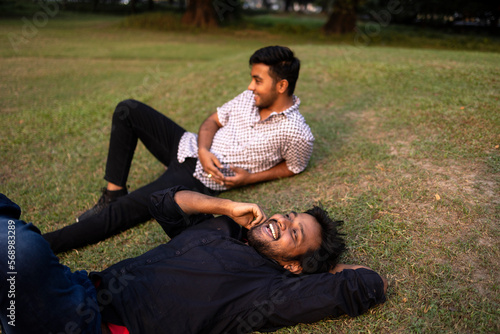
{"x": 294, "y": 108}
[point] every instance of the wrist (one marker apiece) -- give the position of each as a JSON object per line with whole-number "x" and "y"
{"x": 227, "y": 207}
{"x": 203, "y": 152}
{"x": 249, "y": 179}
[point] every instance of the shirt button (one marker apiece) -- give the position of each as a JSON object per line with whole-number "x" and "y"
{"x": 177, "y": 252}
{"x": 148, "y": 261}
{"x": 204, "y": 241}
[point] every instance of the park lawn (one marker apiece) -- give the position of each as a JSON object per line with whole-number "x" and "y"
{"x": 406, "y": 153}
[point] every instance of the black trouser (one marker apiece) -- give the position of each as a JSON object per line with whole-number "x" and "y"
{"x": 132, "y": 120}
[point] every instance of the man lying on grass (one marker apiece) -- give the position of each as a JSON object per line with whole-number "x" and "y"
{"x": 232, "y": 273}
{"x": 258, "y": 136}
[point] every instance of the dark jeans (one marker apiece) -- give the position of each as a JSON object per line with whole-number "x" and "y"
{"x": 132, "y": 120}
{"x": 38, "y": 294}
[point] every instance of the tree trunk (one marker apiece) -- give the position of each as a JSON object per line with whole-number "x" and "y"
{"x": 343, "y": 17}
{"x": 133, "y": 8}
{"x": 201, "y": 13}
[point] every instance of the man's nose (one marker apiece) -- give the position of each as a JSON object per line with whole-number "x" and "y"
{"x": 251, "y": 86}
{"x": 284, "y": 222}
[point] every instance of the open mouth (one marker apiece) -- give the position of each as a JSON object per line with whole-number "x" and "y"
{"x": 273, "y": 229}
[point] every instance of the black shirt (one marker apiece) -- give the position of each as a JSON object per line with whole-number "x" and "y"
{"x": 205, "y": 280}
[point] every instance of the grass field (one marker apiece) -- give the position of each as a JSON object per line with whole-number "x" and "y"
{"x": 406, "y": 152}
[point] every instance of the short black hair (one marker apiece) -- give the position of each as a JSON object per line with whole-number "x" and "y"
{"x": 327, "y": 256}
{"x": 282, "y": 63}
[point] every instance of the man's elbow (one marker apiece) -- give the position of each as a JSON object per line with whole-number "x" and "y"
{"x": 339, "y": 267}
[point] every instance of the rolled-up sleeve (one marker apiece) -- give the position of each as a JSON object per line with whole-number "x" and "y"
{"x": 169, "y": 215}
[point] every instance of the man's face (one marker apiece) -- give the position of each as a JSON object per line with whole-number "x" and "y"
{"x": 286, "y": 236}
{"x": 263, "y": 86}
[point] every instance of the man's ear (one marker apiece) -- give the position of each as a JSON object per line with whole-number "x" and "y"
{"x": 294, "y": 267}
{"x": 282, "y": 86}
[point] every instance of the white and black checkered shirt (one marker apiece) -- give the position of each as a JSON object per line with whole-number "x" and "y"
{"x": 247, "y": 142}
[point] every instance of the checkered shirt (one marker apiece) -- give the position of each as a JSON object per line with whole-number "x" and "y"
{"x": 247, "y": 142}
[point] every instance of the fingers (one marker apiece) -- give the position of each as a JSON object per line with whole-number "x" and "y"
{"x": 211, "y": 166}
{"x": 216, "y": 161}
{"x": 260, "y": 216}
{"x": 247, "y": 214}
{"x": 240, "y": 178}
{"x": 237, "y": 170}
{"x": 215, "y": 174}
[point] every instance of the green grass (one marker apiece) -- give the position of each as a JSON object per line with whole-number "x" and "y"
{"x": 406, "y": 152}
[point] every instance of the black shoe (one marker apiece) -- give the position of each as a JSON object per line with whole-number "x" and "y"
{"x": 107, "y": 197}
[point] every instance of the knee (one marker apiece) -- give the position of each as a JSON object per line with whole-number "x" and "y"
{"x": 125, "y": 108}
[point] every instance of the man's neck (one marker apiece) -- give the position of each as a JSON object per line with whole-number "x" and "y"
{"x": 280, "y": 105}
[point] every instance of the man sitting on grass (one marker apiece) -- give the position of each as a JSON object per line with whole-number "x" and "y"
{"x": 258, "y": 136}
{"x": 234, "y": 273}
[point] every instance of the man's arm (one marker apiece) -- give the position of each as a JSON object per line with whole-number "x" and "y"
{"x": 207, "y": 159}
{"x": 245, "y": 214}
{"x": 352, "y": 291}
{"x": 242, "y": 177}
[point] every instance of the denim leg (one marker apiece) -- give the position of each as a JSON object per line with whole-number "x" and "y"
{"x": 133, "y": 121}
{"x": 126, "y": 212}
{"x": 38, "y": 294}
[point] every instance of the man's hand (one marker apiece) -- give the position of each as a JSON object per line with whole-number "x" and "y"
{"x": 247, "y": 215}
{"x": 211, "y": 165}
{"x": 240, "y": 178}
{"x": 208, "y": 160}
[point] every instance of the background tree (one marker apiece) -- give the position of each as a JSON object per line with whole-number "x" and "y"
{"x": 438, "y": 13}
{"x": 201, "y": 13}
{"x": 342, "y": 20}
{"x": 479, "y": 14}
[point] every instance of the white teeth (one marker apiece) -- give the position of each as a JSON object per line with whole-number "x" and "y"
{"x": 275, "y": 234}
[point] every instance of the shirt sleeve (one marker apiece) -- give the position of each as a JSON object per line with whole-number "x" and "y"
{"x": 168, "y": 213}
{"x": 311, "y": 298}
{"x": 298, "y": 152}
{"x": 224, "y": 112}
